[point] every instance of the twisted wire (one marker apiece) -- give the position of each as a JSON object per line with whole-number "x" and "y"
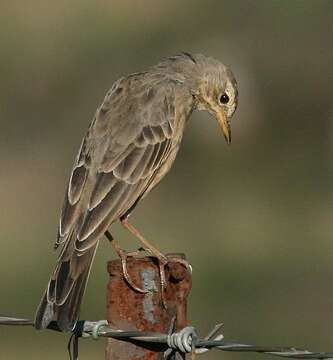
{"x": 184, "y": 341}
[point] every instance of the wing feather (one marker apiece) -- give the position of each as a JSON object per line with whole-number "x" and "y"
{"x": 68, "y": 216}
{"x": 104, "y": 183}
{"x": 76, "y": 184}
{"x": 114, "y": 156}
{"x": 124, "y": 170}
{"x": 125, "y": 145}
{"x": 94, "y": 217}
{"x": 141, "y": 165}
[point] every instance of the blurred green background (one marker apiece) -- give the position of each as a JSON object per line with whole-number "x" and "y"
{"x": 255, "y": 219}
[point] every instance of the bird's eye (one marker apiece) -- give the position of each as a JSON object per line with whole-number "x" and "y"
{"x": 224, "y": 99}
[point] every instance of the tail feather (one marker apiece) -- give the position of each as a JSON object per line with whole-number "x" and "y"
{"x": 62, "y": 298}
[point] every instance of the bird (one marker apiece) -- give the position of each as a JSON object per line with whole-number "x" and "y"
{"x": 129, "y": 147}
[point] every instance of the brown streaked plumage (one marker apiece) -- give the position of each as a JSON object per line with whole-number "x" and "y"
{"x": 129, "y": 147}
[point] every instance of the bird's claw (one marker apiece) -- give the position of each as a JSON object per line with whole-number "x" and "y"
{"x": 123, "y": 258}
{"x": 162, "y": 260}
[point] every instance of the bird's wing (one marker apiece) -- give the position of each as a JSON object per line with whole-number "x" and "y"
{"x": 127, "y": 141}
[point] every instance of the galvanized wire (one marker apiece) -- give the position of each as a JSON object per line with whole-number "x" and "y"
{"x": 8, "y": 320}
{"x": 184, "y": 341}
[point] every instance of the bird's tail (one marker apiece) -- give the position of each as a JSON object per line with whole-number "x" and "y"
{"x": 62, "y": 299}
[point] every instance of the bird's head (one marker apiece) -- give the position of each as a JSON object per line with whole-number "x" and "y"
{"x": 216, "y": 91}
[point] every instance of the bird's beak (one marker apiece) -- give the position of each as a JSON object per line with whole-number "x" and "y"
{"x": 225, "y": 125}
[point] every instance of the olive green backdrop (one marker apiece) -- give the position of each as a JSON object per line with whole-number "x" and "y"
{"x": 255, "y": 219}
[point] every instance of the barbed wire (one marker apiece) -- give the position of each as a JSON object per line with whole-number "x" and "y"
{"x": 184, "y": 341}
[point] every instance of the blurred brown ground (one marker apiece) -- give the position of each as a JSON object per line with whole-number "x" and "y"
{"x": 258, "y": 230}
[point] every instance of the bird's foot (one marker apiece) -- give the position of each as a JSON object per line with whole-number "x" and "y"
{"x": 162, "y": 259}
{"x": 162, "y": 262}
{"x": 155, "y": 253}
{"x": 123, "y": 258}
{"x": 124, "y": 255}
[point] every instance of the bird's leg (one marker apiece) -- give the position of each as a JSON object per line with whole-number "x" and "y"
{"x": 162, "y": 259}
{"x": 123, "y": 255}
{"x": 146, "y": 244}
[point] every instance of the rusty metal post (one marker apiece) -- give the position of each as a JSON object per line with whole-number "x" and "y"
{"x": 129, "y": 310}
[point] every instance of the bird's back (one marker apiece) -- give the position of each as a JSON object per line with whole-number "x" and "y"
{"x": 130, "y": 145}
